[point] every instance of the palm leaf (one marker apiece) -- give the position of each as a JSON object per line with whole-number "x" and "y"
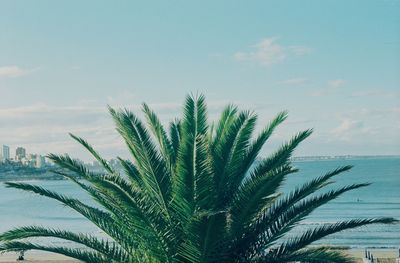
{"x": 194, "y": 194}
{"x": 311, "y": 255}
{"x": 85, "y": 256}
{"x": 151, "y": 166}
{"x": 315, "y": 234}
{"x": 96, "y": 155}
{"x": 160, "y": 134}
{"x": 109, "y": 250}
{"x": 175, "y": 137}
{"x": 254, "y": 148}
{"x": 100, "y": 218}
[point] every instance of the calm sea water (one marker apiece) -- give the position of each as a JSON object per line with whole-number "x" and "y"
{"x": 382, "y": 198}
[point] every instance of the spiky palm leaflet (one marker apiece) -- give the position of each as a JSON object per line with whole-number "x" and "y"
{"x": 192, "y": 193}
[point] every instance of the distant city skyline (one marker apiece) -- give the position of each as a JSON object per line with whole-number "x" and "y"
{"x": 21, "y": 156}
{"x": 334, "y": 65}
{"x": 4, "y": 152}
{"x": 114, "y": 160}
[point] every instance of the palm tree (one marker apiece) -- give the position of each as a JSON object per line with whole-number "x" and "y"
{"x": 193, "y": 194}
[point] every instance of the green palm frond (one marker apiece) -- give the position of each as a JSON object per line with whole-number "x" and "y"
{"x": 100, "y": 218}
{"x": 109, "y": 249}
{"x": 194, "y": 192}
{"x": 223, "y": 125}
{"x": 310, "y": 255}
{"x": 175, "y": 137}
{"x": 131, "y": 208}
{"x": 95, "y": 154}
{"x": 236, "y": 159}
{"x": 263, "y": 234}
{"x": 85, "y": 256}
{"x": 255, "y": 147}
{"x": 160, "y": 134}
{"x": 132, "y": 173}
{"x": 254, "y": 194}
{"x": 281, "y": 205}
{"x": 320, "y": 232}
{"x": 194, "y": 125}
{"x": 151, "y": 166}
{"x": 294, "y": 214}
{"x": 263, "y": 181}
{"x": 223, "y": 153}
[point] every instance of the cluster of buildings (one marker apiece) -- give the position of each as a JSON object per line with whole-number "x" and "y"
{"x": 38, "y": 161}
{"x": 31, "y": 160}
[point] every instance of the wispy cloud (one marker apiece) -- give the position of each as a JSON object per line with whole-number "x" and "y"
{"x": 268, "y": 52}
{"x": 14, "y": 71}
{"x": 380, "y": 113}
{"x": 346, "y": 125}
{"x": 43, "y": 128}
{"x": 40, "y": 109}
{"x": 336, "y": 83}
{"x": 299, "y": 50}
{"x": 332, "y": 86}
{"x": 217, "y": 55}
{"x": 294, "y": 81}
{"x": 347, "y": 129}
{"x": 375, "y": 93}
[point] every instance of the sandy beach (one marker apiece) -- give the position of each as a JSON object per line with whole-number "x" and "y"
{"x": 37, "y": 257}
{"x": 384, "y": 255}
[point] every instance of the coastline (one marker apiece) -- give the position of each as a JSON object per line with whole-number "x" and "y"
{"x": 385, "y": 255}
{"x": 48, "y": 175}
{"x": 37, "y": 257}
{"x": 383, "y": 242}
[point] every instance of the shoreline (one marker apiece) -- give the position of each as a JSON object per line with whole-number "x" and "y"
{"x": 386, "y": 255}
{"x": 37, "y": 257}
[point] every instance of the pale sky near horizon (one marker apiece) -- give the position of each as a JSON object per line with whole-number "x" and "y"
{"x": 334, "y": 65}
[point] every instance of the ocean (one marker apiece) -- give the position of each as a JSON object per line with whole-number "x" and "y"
{"x": 382, "y": 198}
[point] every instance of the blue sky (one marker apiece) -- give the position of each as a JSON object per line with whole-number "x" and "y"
{"x": 333, "y": 64}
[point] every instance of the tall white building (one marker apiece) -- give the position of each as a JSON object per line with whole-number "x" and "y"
{"x": 20, "y": 153}
{"x": 4, "y": 153}
{"x": 40, "y": 161}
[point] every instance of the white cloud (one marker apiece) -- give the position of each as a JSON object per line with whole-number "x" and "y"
{"x": 41, "y": 110}
{"x": 346, "y": 125}
{"x": 268, "y": 52}
{"x": 294, "y": 81}
{"x": 346, "y": 129}
{"x": 121, "y": 98}
{"x": 380, "y": 113}
{"x": 336, "y": 83}
{"x": 375, "y": 93}
{"x": 350, "y": 130}
{"x": 13, "y": 71}
{"x": 217, "y": 55}
{"x": 300, "y": 50}
{"x": 43, "y": 128}
{"x": 332, "y": 87}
